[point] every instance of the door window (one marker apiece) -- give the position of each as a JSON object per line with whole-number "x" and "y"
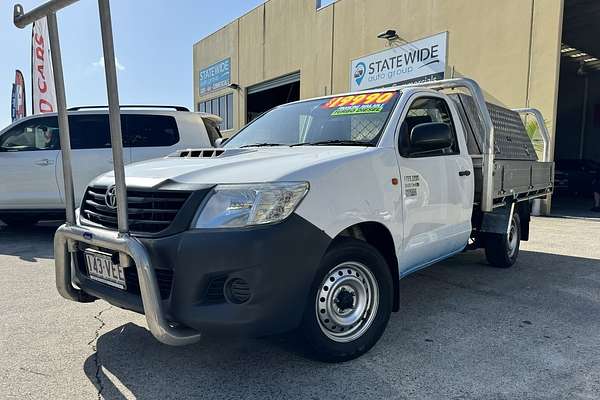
{"x": 32, "y": 135}
{"x": 426, "y": 110}
{"x": 150, "y": 131}
{"x": 89, "y": 131}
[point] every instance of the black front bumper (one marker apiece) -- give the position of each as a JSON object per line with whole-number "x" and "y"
{"x": 278, "y": 262}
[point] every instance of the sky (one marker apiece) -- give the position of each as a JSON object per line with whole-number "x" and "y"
{"x": 153, "y": 49}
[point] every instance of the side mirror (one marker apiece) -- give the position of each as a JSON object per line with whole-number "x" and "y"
{"x": 430, "y": 136}
{"x": 220, "y": 142}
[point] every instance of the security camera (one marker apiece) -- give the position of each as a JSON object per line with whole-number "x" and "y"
{"x": 390, "y": 34}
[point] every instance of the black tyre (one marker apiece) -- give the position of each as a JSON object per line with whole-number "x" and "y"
{"x": 350, "y": 302}
{"x": 502, "y": 250}
{"x": 19, "y": 220}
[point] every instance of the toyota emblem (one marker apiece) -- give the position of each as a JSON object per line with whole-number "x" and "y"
{"x": 110, "y": 198}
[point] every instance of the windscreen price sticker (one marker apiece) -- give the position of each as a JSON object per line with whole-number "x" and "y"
{"x": 359, "y": 104}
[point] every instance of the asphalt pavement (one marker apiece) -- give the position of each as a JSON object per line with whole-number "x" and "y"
{"x": 465, "y": 331}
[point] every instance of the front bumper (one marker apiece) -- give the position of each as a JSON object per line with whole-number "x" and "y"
{"x": 66, "y": 241}
{"x": 192, "y": 271}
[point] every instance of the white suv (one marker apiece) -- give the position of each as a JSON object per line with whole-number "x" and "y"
{"x": 31, "y": 187}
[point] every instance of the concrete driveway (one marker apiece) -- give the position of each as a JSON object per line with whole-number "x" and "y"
{"x": 465, "y": 331}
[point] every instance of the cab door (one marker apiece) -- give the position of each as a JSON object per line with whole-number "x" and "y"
{"x": 437, "y": 188}
{"x": 28, "y": 160}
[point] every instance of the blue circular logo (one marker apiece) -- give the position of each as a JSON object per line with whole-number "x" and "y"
{"x": 359, "y": 72}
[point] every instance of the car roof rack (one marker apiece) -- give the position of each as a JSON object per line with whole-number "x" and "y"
{"x": 176, "y": 108}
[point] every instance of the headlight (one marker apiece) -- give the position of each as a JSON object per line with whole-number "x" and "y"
{"x": 235, "y": 206}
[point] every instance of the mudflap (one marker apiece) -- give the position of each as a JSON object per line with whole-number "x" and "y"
{"x": 497, "y": 221}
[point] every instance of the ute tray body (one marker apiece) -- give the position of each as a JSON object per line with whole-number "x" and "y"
{"x": 517, "y": 172}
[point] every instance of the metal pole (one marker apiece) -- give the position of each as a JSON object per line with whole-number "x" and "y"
{"x": 545, "y": 135}
{"x": 110, "y": 70}
{"x": 63, "y": 120}
{"x": 21, "y": 19}
{"x": 543, "y": 206}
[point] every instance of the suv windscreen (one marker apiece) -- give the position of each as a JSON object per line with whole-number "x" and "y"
{"x": 354, "y": 119}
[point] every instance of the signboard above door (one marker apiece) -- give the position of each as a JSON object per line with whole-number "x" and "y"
{"x": 215, "y": 76}
{"x": 418, "y": 61}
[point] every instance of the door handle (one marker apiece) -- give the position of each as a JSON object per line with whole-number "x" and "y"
{"x": 45, "y": 162}
{"x": 464, "y": 173}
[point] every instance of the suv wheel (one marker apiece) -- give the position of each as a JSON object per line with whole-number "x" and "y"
{"x": 350, "y": 302}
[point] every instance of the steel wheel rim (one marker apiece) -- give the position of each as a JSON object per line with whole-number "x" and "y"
{"x": 512, "y": 240}
{"x": 347, "y": 302}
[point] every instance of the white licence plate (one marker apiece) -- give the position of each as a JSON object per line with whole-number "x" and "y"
{"x": 101, "y": 268}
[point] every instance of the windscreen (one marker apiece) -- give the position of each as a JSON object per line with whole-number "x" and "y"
{"x": 355, "y": 119}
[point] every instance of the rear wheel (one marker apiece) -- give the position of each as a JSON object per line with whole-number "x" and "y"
{"x": 350, "y": 302}
{"x": 502, "y": 250}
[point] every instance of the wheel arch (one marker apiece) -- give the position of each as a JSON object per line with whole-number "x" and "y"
{"x": 377, "y": 235}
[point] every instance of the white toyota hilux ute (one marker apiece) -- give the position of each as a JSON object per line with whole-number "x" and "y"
{"x": 309, "y": 216}
{"x": 30, "y": 158}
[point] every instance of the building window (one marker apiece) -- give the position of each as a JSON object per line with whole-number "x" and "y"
{"x": 221, "y": 106}
{"x": 324, "y": 3}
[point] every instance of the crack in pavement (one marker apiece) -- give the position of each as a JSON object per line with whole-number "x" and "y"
{"x": 96, "y": 357}
{"x": 33, "y": 372}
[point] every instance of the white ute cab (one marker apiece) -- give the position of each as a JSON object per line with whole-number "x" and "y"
{"x": 30, "y": 157}
{"x": 309, "y": 216}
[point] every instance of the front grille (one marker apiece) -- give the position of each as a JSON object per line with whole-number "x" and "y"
{"x": 215, "y": 291}
{"x": 149, "y": 211}
{"x": 163, "y": 276}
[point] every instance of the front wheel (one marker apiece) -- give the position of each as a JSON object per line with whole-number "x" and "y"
{"x": 350, "y": 302}
{"x": 502, "y": 250}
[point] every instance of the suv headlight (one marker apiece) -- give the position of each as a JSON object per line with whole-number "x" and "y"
{"x": 239, "y": 205}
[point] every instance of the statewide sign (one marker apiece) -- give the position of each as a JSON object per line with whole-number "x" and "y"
{"x": 215, "y": 76}
{"x": 419, "y": 61}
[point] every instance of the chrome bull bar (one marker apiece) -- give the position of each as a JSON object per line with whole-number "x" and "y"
{"x": 69, "y": 234}
{"x": 64, "y": 240}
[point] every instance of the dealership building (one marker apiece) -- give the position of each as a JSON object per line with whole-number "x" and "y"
{"x": 524, "y": 53}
